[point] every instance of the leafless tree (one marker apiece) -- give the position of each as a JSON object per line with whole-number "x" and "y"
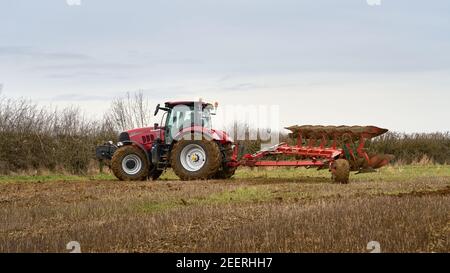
{"x": 131, "y": 111}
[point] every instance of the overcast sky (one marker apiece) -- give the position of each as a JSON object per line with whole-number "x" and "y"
{"x": 322, "y": 61}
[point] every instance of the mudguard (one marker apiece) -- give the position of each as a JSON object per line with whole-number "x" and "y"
{"x": 201, "y": 132}
{"x": 140, "y": 146}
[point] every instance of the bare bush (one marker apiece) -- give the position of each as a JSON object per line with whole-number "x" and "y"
{"x": 412, "y": 148}
{"x": 131, "y": 111}
{"x": 34, "y": 138}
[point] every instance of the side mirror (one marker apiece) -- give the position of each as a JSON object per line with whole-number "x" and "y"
{"x": 157, "y": 109}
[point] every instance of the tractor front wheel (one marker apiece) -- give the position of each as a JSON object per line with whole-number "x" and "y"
{"x": 129, "y": 163}
{"x": 340, "y": 170}
{"x": 195, "y": 159}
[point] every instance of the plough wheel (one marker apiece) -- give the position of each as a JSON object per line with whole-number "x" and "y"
{"x": 341, "y": 171}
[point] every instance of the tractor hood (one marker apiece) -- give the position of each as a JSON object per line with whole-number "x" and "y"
{"x": 142, "y": 136}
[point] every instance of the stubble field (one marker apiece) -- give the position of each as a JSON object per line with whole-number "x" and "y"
{"x": 404, "y": 208}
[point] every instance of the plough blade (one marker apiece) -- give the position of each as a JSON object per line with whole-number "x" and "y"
{"x": 351, "y": 138}
{"x": 337, "y": 132}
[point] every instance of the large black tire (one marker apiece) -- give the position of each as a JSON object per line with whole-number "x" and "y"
{"x": 129, "y": 163}
{"x": 212, "y": 160}
{"x": 226, "y": 172}
{"x": 341, "y": 171}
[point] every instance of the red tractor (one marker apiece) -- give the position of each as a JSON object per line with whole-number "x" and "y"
{"x": 187, "y": 143}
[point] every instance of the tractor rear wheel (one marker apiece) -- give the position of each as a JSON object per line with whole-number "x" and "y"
{"x": 195, "y": 159}
{"x": 226, "y": 172}
{"x": 341, "y": 171}
{"x": 129, "y": 163}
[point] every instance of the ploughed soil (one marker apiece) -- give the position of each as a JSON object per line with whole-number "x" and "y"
{"x": 308, "y": 214}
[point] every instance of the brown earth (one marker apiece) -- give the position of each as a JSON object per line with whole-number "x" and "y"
{"x": 242, "y": 215}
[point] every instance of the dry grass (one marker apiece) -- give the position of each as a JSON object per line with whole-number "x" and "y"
{"x": 406, "y": 209}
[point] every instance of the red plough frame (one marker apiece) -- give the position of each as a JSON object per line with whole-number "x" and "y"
{"x": 320, "y": 156}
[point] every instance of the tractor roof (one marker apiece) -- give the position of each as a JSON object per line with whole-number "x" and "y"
{"x": 172, "y": 104}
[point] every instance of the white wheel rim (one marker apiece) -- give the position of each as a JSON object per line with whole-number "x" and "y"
{"x": 131, "y": 164}
{"x": 193, "y": 157}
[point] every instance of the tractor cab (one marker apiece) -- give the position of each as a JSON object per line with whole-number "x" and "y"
{"x": 184, "y": 115}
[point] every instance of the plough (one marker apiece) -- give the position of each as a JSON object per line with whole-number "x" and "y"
{"x": 340, "y": 149}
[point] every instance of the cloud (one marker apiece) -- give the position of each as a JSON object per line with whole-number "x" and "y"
{"x": 86, "y": 74}
{"x": 86, "y": 70}
{"x": 187, "y": 61}
{"x": 90, "y": 65}
{"x": 81, "y": 97}
{"x": 99, "y": 68}
{"x": 244, "y": 86}
{"x": 27, "y": 51}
